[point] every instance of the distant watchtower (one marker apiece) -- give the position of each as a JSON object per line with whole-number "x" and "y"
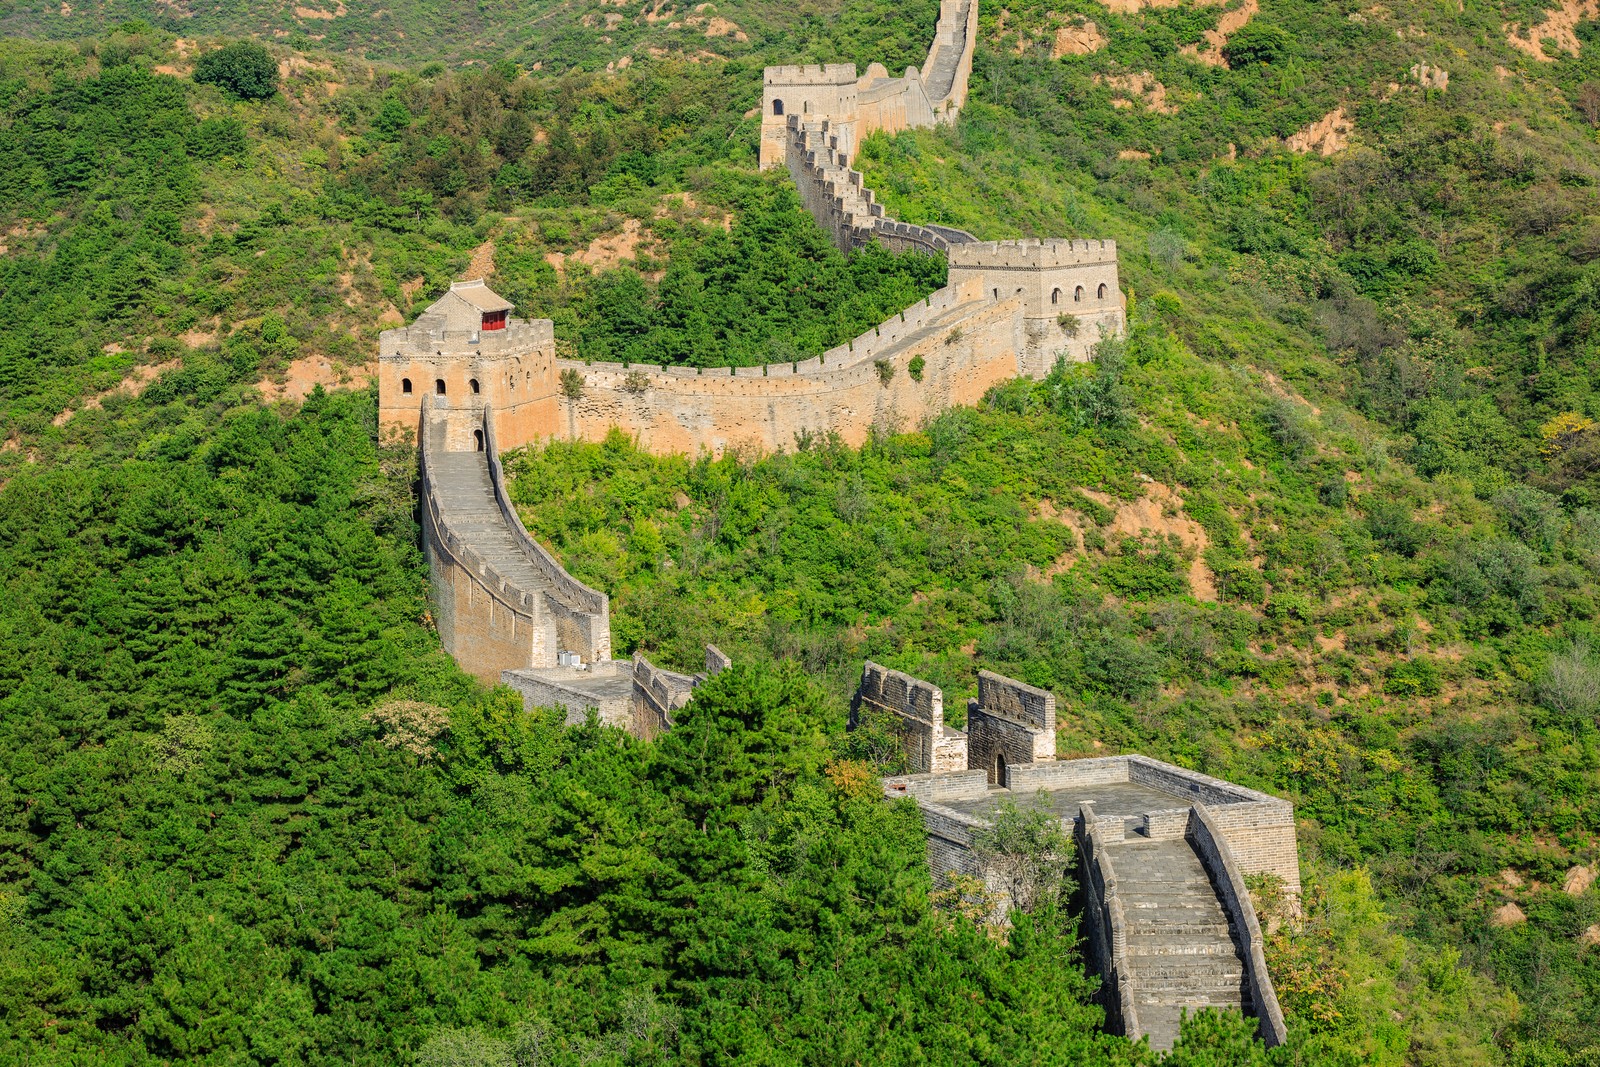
{"x": 811, "y": 93}
{"x": 467, "y": 352}
{"x": 1068, "y": 288}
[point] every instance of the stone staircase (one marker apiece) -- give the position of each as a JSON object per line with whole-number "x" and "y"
{"x": 465, "y": 497}
{"x": 1182, "y": 948}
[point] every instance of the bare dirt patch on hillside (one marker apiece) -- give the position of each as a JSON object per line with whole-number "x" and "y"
{"x": 1559, "y": 25}
{"x": 308, "y": 372}
{"x": 316, "y": 13}
{"x": 1079, "y": 38}
{"x": 1160, "y": 513}
{"x": 1229, "y": 24}
{"x": 1142, "y": 86}
{"x": 1329, "y": 134}
{"x": 136, "y": 382}
{"x": 605, "y": 252}
{"x": 721, "y": 27}
{"x": 1133, "y": 7}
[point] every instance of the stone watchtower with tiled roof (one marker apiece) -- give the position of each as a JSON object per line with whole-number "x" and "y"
{"x": 468, "y": 355}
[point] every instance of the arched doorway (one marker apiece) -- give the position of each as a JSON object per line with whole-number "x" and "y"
{"x": 474, "y": 384}
{"x": 405, "y": 386}
{"x": 997, "y": 775}
{"x": 438, "y": 386}
{"x": 777, "y": 107}
{"x": 477, "y": 435}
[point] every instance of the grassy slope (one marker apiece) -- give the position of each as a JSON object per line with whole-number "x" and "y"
{"x": 556, "y": 35}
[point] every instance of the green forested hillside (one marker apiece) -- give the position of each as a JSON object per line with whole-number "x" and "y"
{"x": 250, "y": 813}
{"x": 572, "y": 34}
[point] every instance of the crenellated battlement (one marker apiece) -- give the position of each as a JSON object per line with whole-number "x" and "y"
{"x": 430, "y": 335}
{"x": 1034, "y": 253}
{"x": 810, "y": 74}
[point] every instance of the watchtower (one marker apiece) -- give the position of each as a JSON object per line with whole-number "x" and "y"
{"x": 826, "y": 91}
{"x": 1069, "y": 292}
{"x": 467, "y": 352}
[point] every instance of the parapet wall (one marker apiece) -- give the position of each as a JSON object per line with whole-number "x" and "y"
{"x": 1106, "y": 925}
{"x": 917, "y": 708}
{"x": 967, "y": 343}
{"x": 875, "y": 101}
{"x": 1227, "y": 876}
{"x": 1259, "y": 827}
{"x": 484, "y": 620}
{"x": 582, "y": 614}
{"x": 657, "y": 694}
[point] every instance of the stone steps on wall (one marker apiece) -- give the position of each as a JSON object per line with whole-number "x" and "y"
{"x": 1181, "y": 949}
{"x": 467, "y": 506}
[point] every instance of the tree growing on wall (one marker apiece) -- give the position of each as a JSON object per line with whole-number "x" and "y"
{"x": 243, "y": 69}
{"x": 1030, "y": 852}
{"x": 571, "y": 383}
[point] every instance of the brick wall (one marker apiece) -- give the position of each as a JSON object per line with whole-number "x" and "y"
{"x": 1227, "y": 877}
{"x": 564, "y": 688}
{"x": 657, "y": 694}
{"x": 917, "y": 707}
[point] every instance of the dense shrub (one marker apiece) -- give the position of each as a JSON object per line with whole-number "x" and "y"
{"x": 243, "y": 69}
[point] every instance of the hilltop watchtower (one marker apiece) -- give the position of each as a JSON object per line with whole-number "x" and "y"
{"x": 1068, "y": 288}
{"x": 468, "y": 354}
{"x": 814, "y": 92}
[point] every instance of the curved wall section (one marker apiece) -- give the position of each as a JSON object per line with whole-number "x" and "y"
{"x": 501, "y": 602}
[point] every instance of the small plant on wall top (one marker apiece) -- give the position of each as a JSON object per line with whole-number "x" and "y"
{"x": 571, "y": 383}
{"x": 915, "y": 368}
{"x": 885, "y": 370}
{"x": 637, "y": 381}
{"x": 1068, "y": 324}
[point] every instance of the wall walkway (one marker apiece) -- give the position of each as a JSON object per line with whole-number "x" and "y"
{"x": 501, "y": 600}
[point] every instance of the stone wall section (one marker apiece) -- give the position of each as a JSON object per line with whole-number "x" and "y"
{"x": 602, "y": 687}
{"x": 875, "y": 101}
{"x": 1227, "y": 876}
{"x": 483, "y": 621}
{"x": 657, "y": 694}
{"x": 1106, "y": 924}
{"x": 968, "y": 343}
{"x": 917, "y": 708}
{"x": 1009, "y": 725}
{"x": 1259, "y": 827}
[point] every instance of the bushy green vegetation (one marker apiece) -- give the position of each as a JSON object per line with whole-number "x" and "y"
{"x": 586, "y": 35}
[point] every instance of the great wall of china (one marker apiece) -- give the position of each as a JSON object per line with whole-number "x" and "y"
{"x": 1175, "y": 929}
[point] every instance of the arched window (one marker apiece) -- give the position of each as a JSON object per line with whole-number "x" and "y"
{"x": 1101, "y": 294}
{"x": 1077, "y": 295}
{"x": 405, "y": 386}
{"x": 777, "y": 107}
{"x": 438, "y": 386}
{"x": 805, "y": 105}
{"x": 997, "y": 294}
{"x": 999, "y": 771}
{"x": 1055, "y": 296}
{"x": 477, "y": 435}
{"x": 474, "y": 383}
